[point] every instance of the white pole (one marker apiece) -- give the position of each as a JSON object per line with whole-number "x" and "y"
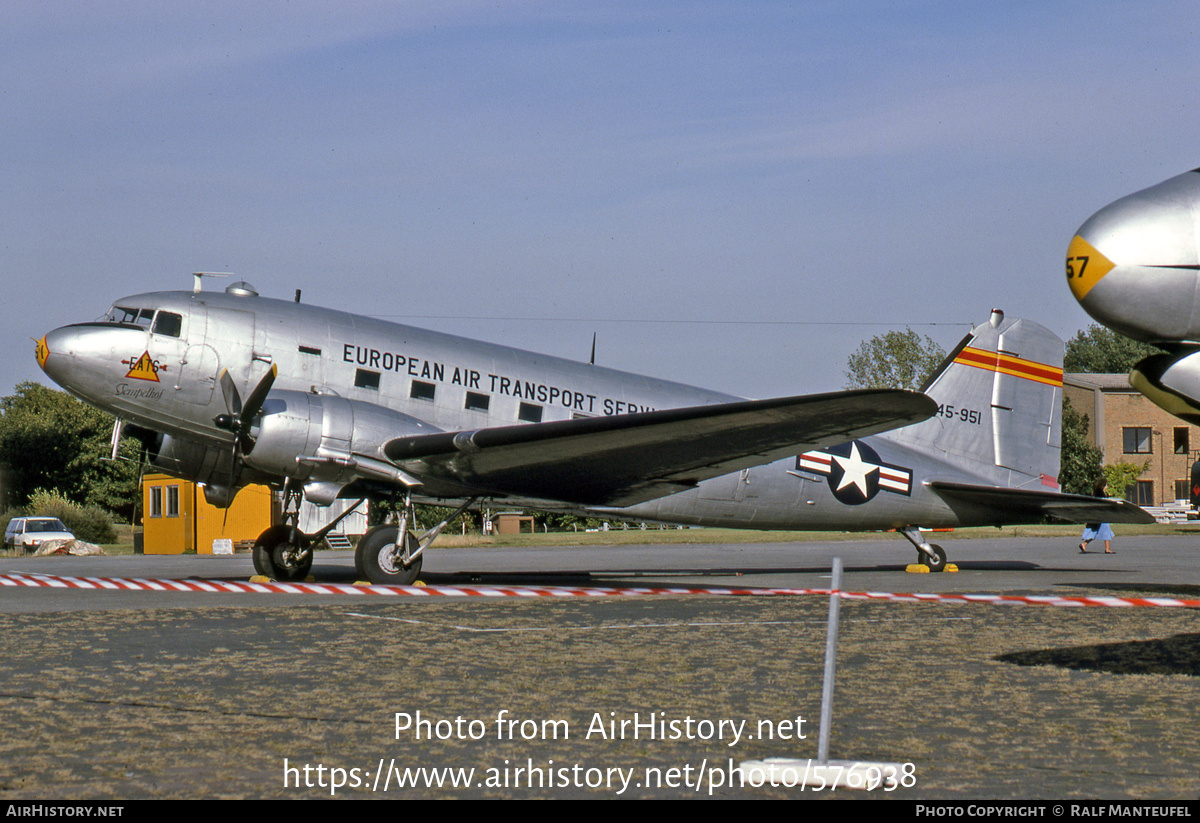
{"x": 831, "y": 633}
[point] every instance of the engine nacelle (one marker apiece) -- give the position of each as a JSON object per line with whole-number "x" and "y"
{"x": 1172, "y": 381}
{"x": 209, "y": 465}
{"x": 327, "y": 441}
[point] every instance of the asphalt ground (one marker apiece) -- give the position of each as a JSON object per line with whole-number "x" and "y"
{"x": 128, "y": 695}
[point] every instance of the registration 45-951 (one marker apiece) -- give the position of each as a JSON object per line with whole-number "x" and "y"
{"x": 963, "y": 414}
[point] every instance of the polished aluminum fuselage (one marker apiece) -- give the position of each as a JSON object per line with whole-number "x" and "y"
{"x": 170, "y": 383}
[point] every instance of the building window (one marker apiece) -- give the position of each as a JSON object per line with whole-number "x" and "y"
{"x": 1141, "y": 493}
{"x": 420, "y": 390}
{"x": 1137, "y": 440}
{"x": 156, "y": 501}
{"x": 1181, "y": 440}
{"x": 477, "y": 401}
{"x": 530, "y": 413}
{"x": 172, "y": 501}
{"x": 364, "y": 379}
{"x": 1183, "y": 490}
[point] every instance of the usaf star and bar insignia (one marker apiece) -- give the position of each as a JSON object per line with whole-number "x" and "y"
{"x": 855, "y": 472}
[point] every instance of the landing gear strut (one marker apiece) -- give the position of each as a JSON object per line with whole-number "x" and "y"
{"x": 383, "y": 555}
{"x": 284, "y": 552}
{"x": 391, "y": 554}
{"x": 382, "y": 558}
{"x": 930, "y": 554}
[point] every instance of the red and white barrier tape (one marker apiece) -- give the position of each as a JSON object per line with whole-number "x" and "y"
{"x": 239, "y": 587}
{"x": 1029, "y": 600}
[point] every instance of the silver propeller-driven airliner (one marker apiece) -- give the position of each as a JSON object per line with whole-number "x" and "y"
{"x": 230, "y": 388}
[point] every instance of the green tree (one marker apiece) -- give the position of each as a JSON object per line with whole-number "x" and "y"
{"x": 1080, "y": 461}
{"x": 49, "y": 440}
{"x": 893, "y": 360}
{"x": 1097, "y": 350}
{"x": 1094, "y": 350}
{"x": 1120, "y": 476}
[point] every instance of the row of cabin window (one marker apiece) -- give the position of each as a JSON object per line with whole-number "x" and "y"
{"x": 420, "y": 390}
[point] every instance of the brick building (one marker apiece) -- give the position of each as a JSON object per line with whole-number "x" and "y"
{"x": 1128, "y": 428}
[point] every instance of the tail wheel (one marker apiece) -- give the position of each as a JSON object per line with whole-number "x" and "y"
{"x": 283, "y": 553}
{"x": 936, "y": 563}
{"x": 378, "y": 557}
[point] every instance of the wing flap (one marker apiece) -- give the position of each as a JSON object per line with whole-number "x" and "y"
{"x": 1017, "y": 505}
{"x": 625, "y": 459}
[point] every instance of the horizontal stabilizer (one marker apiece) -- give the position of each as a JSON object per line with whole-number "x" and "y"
{"x": 1018, "y": 505}
{"x": 624, "y": 459}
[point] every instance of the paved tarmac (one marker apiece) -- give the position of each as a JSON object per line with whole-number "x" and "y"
{"x": 127, "y": 695}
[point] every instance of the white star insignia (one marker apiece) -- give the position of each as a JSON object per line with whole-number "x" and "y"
{"x": 854, "y": 470}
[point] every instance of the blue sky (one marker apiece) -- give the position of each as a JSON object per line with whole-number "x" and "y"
{"x": 729, "y": 194}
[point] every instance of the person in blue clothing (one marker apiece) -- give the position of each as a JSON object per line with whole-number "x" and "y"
{"x": 1098, "y": 531}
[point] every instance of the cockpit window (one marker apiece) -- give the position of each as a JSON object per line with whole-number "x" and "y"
{"x": 122, "y": 314}
{"x": 168, "y": 323}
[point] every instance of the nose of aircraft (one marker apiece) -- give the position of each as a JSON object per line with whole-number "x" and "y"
{"x": 1135, "y": 266}
{"x": 54, "y": 353}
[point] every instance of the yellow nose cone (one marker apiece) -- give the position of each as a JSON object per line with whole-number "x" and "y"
{"x": 1085, "y": 267}
{"x": 42, "y": 352}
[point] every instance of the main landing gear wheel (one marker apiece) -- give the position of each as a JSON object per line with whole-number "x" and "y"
{"x": 283, "y": 553}
{"x": 937, "y": 563}
{"x": 378, "y": 557}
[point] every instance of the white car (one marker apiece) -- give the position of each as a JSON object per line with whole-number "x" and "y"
{"x": 31, "y": 532}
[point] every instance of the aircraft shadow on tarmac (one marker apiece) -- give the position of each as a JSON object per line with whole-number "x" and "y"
{"x": 331, "y": 573}
{"x": 335, "y": 572}
{"x": 1179, "y": 654}
{"x": 1173, "y": 655}
{"x": 1183, "y": 591}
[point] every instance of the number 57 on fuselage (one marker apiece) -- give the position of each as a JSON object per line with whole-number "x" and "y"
{"x": 230, "y": 388}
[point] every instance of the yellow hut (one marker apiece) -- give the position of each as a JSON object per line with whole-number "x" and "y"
{"x": 176, "y": 519}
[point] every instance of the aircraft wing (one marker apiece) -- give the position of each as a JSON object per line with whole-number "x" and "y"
{"x": 1016, "y": 505}
{"x": 625, "y": 459}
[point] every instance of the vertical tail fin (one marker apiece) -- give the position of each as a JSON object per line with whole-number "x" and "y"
{"x": 999, "y": 396}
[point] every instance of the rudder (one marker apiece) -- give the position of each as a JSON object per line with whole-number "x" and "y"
{"x": 999, "y": 396}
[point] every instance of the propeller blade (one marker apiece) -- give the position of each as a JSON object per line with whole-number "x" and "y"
{"x": 239, "y": 418}
{"x": 233, "y": 400}
{"x": 258, "y": 397}
{"x": 233, "y": 464}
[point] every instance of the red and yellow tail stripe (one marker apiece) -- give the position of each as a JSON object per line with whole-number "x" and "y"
{"x": 1007, "y": 364}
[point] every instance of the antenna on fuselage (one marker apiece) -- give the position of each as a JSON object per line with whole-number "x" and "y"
{"x": 201, "y": 274}
{"x": 593, "y": 360}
